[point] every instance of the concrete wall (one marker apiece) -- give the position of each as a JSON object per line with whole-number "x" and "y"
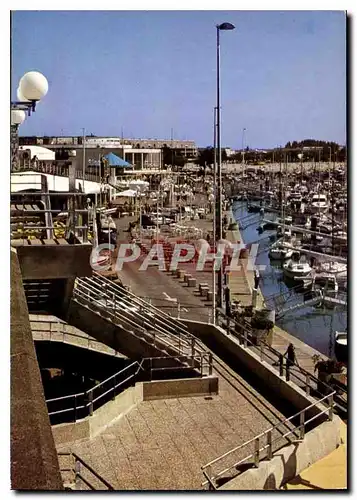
{"x": 55, "y": 261}
{"x": 101, "y": 418}
{"x": 34, "y": 461}
{"x": 291, "y": 460}
{"x": 106, "y": 332}
{"x": 262, "y": 370}
{"x": 113, "y": 335}
{"x": 163, "y": 389}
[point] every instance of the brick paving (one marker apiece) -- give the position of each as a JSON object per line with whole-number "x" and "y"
{"x": 161, "y": 445}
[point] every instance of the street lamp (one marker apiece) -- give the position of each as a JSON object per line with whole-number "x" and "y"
{"x": 32, "y": 87}
{"x": 219, "y": 232}
{"x": 243, "y": 163}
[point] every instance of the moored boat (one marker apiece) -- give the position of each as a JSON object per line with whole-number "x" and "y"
{"x": 295, "y": 270}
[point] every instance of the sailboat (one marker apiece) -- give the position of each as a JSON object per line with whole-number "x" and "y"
{"x": 277, "y": 250}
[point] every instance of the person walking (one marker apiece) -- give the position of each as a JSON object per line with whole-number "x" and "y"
{"x": 290, "y": 356}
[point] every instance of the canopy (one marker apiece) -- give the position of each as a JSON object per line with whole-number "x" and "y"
{"x": 116, "y": 161}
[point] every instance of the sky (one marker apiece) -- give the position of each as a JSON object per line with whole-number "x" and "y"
{"x": 150, "y": 74}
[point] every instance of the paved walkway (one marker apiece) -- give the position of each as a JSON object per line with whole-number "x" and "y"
{"x": 163, "y": 444}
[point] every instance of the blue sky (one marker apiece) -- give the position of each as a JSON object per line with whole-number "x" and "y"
{"x": 283, "y": 74}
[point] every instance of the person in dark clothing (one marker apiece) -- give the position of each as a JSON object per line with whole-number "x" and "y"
{"x": 256, "y": 279}
{"x": 290, "y": 356}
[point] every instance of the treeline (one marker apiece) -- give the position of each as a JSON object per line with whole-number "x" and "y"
{"x": 308, "y": 150}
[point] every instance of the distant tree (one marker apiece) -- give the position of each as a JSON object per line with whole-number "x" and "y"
{"x": 206, "y": 157}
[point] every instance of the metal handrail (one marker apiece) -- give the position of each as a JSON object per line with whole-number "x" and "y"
{"x": 206, "y": 469}
{"x": 175, "y": 322}
{"x": 280, "y": 357}
{"x": 198, "y": 361}
{"x": 78, "y": 461}
{"x": 188, "y": 343}
{"x": 144, "y": 306}
{"x": 90, "y": 391}
{"x": 70, "y": 334}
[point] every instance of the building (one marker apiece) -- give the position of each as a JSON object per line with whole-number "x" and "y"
{"x": 141, "y": 153}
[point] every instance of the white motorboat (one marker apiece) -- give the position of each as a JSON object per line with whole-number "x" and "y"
{"x": 297, "y": 269}
{"x": 280, "y": 253}
{"x": 319, "y": 203}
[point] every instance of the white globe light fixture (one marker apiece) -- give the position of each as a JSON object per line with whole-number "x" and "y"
{"x": 33, "y": 86}
{"x": 17, "y": 116}
{"x": 20, "y": 97}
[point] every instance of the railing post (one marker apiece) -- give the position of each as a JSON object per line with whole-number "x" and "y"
{"x": 210, "y": 363}
{"x": 209, "y": 474}
{"x": 90, "y": 400}
{"x": 201, "y": 364}
{"x": 114, "y": 387}
{"x": 302, "y": 425}
{"x": 269, "y": 443}
{"x": 245, "y": 335}
{"x": 178, "y": 310}
{"x": 287, "y": 371}
{"x": 77, "y": 470}
{"x": 193, "y": 340}
{"x": 75, "y": 408}
{"x": 281, "y": 365}
{"x": 330, "y": 412}
{"x": 307, "y": 387}
{"x": 256, "y": 452}
{"x": 261, "y": 351}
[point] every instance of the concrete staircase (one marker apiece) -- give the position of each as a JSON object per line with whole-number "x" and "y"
{"x": 116, "y": 317}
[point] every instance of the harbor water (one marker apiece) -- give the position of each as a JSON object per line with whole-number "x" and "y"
{"x": 316, "y": 327}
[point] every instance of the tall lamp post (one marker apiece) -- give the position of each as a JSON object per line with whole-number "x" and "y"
{"x": 243, "y": 152}
{"x": 219, "y": 229}
{"x": 32, "y": 87}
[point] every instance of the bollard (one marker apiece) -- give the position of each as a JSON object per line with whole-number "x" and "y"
{"x": 191, "y": 282}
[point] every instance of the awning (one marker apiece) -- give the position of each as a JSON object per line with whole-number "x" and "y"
{"x": 116, "y": 161}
